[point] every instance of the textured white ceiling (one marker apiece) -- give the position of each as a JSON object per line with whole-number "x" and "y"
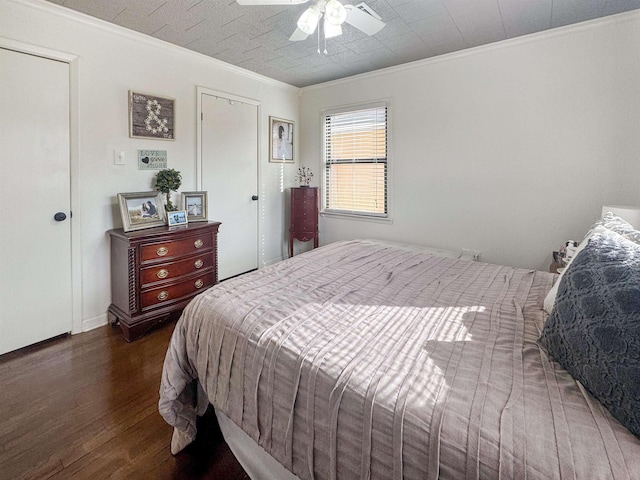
{"x": 256, "y": 37}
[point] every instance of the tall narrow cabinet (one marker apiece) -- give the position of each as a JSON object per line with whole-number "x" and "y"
{"x": 304, "y": 216}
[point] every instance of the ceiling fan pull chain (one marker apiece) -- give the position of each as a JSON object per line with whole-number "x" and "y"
{"x": 325, "y": 42}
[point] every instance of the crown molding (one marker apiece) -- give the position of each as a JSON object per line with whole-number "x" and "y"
{"x": 67, "y": 13}
{"x": 616, "y": 19}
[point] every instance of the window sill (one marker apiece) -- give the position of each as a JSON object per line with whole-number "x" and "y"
{"x": 354, "y": 216}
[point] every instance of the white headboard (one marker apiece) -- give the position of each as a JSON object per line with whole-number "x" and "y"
{"x": 628, "y": 213}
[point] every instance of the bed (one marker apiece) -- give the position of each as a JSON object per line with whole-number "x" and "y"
{"x": 364, "y": 359}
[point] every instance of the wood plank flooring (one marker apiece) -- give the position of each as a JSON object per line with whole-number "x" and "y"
{"x": 85, "y": 406}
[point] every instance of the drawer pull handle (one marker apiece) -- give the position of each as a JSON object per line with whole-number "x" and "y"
{"x": 163, "y": 295}
{"x": 198, "y": 243}
{"x": 199, "y": 283}
{"x": 162, "y": 251}
{"x": 164, "y": 273}
{"x": 198, "y": 263}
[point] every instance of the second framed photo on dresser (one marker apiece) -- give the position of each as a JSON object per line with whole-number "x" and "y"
{"x": 195, "y": 203}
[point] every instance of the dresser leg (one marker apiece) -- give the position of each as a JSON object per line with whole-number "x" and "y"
{"x": 113, "y": 320}
{"x": 290, "y": 246}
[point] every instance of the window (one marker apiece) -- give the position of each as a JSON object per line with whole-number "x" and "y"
{"x": 355, "y": 161}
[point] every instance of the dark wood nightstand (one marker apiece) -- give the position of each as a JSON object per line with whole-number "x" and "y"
{"x": 556, "y": 263}
{"x": 553, "y": 268}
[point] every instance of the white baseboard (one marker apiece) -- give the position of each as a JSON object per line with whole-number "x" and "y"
{"x": 272, "y": 261}
{"x": 95, "y": 322}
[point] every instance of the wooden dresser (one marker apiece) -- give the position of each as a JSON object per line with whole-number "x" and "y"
{"x": 155, "y": 272}
{"x": 304, "y": 216}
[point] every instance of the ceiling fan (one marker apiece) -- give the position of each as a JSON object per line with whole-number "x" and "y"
{"x": 335, "y": 14}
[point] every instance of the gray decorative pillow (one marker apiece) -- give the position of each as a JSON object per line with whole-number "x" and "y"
{"x": 615, "y": 223}
{"x": 594, "y": 328}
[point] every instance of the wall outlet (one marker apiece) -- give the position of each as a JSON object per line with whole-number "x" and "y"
{"x": 468, "y": 254}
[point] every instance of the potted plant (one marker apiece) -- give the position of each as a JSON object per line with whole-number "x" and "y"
{"x": 168, "y": 180}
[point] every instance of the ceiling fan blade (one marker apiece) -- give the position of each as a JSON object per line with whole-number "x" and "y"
{"x": 271, "y": 2}
{"x": 298, "y": 35}
{"x": 363, "y": 20}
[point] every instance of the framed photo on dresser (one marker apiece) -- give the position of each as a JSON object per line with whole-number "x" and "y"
{"x": 195, "y": 203}
{"x": 141, "y": 210}
{"x": 178, "y": 217}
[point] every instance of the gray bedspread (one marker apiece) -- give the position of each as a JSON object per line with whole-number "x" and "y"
{"x": 362, "y": 360}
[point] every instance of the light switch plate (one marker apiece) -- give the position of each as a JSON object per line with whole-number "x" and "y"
{"x": 118, "y": 157}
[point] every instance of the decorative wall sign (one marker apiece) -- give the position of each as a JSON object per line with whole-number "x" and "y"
{"x": 152, "y": 159}
{"x": 151, "y": 116}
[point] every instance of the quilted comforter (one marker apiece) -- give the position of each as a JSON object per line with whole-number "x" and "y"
{"x": 364, "y": 360}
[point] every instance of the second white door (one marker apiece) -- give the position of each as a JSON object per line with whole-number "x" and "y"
{"x": 35, "y": 238}
{"x": 230, "y": 176}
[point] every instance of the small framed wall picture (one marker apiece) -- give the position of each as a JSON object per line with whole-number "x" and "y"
{"x": 141, "y": 210}
{"x": 151, "y": 116}
{"x": 195, "y": 204}
{"x": 281, "y": 140}
{"x": 178, "y": 217}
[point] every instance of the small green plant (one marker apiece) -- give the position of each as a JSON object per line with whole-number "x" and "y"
{"x": 168, "y": 180}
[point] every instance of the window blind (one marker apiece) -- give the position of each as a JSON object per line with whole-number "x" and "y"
{"x": 355, "y": 157}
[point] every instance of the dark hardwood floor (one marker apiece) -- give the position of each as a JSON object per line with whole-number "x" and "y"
{"x": 85, "y": 406}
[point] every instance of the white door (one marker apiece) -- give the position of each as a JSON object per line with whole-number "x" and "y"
{"x": 35, "y": 248}
{"x": 230, "y": 176}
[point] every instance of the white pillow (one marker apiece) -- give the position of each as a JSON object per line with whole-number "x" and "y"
{"x": 550, "y": 299}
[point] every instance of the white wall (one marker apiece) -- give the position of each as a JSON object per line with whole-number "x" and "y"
{"x": 112, "y": 61}
{"x": 509, "y": 149}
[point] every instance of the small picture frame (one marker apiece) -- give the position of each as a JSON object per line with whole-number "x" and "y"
{"x": 281, "y": 144}
{"x": 195, "y": 204}
{"x": 151, "y": 116}
{"x": 178, "y": 217}
{"x": 141, "y": 210}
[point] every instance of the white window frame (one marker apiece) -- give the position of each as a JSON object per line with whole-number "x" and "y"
{"x": 374, "y": 217}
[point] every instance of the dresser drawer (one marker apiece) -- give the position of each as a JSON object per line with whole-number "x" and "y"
{"x": 171, "y": 293}
{"x": 304, "y": 225}
{"x": 305, "y": 192}
{"x": 300, "y": 207}
{"x": 177, "y": 248}
{"x": 308, "y": 215}
{"x": 170, "y": 270}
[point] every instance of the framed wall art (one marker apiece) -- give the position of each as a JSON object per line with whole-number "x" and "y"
{"x": 141, "y": 210}
{"x": 195, "y": 203}
{"x": 281, "y": 146}
{"x": 151, "y": 116}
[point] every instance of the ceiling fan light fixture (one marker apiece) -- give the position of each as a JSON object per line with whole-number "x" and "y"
{"x": 334, "y": 12}
{"x": 330, "y": 30}
{"x": 308, "y": 21}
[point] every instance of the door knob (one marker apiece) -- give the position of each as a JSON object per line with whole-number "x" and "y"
{"x": 60, "y": 217}
{"x": 254, "y": 197}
